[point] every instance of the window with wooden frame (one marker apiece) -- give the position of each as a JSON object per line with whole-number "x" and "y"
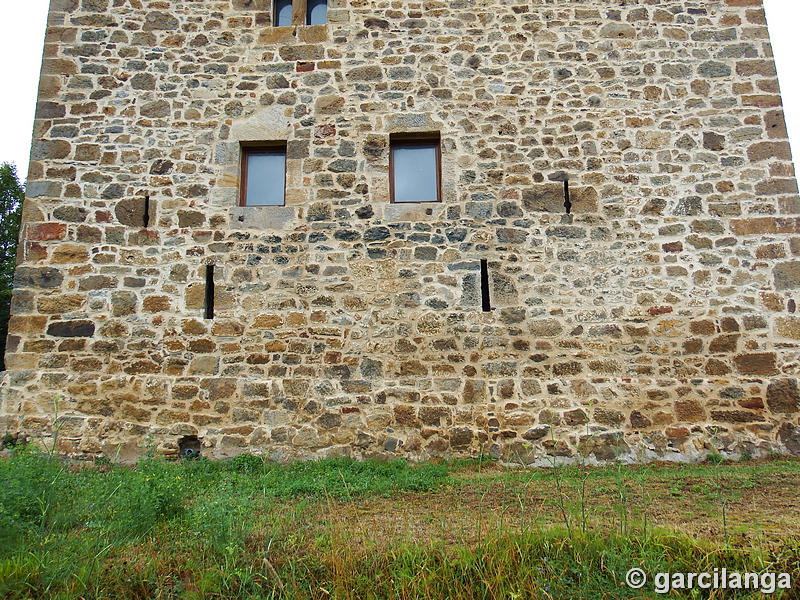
{"x": 263, "y": 175}
{"x": 299, "y": 12}
{"x": 415, "y": 168}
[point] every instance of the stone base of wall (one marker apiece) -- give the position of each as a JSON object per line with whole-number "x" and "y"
{"x": 644, "y": 420}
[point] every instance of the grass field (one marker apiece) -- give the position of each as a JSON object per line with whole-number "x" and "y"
{"x": 248, "y": 528}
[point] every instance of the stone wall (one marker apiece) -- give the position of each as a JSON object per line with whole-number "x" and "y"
{"x": 655, "y": 320}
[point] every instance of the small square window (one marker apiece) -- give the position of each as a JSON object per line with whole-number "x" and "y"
{"x": 263, "y": 178}
{"x": 306, "y": 12}
{"x": 283, "y": 13}
{"x": 415, "y": 169}
{"x": 316, "y": 12}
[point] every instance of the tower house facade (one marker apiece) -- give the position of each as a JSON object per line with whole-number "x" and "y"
{"x": 397, "y": 228}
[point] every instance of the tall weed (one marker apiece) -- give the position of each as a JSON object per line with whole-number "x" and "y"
{"x": 35, "y": 498}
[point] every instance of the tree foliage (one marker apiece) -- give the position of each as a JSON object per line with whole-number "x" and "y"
{"x": 12, "y": 194}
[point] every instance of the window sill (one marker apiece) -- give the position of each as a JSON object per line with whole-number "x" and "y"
{"x": 414, "y": 211}
{"x": 294, "y": 33}
{"x": 263, "y": 217}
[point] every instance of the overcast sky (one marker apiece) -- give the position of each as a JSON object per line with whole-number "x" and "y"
{"x": 22, "y": 35}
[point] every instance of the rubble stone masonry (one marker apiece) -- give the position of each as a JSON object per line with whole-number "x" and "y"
{"x": 656, "y": 320}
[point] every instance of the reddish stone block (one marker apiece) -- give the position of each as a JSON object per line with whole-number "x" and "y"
{"x": 762, "y": 225}
{"x": 676, "y": 433}
{"x": 762, "y": 100}
{"x": 46, "y": 231}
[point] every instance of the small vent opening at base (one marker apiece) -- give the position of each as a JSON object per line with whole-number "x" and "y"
{"x": 189, "y": 447}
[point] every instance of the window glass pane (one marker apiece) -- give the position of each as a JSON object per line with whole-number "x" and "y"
{"x": 266, "y": 174}
{"x": 283, "y": 13}
{"x": 317, "y": 12}
{"x": 415, "y": 173}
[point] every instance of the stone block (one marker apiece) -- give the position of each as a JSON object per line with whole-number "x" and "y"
{"x": 302, "y": 52}
{"x": 583, "y": 199}
{"x": 546, "y": 197}
{"x": 783, "y": 396}
{"x": 757, "y": 363}
{"x": 156, "y": 109}
{"x": 618, "y": 31}
{"x": 160, "y": 21}
{"x": 787, "y": 275}
{"x": 77, "y": 328}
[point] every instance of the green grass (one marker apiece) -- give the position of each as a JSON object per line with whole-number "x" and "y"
{"x": 40, "y": 495}
{"x": 200, "y": 529}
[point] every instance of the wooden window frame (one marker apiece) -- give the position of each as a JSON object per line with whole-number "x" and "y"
{"x": 410, "y": 140}
{"x": 299, "y": 17}
{"x": 250, "y": 148}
